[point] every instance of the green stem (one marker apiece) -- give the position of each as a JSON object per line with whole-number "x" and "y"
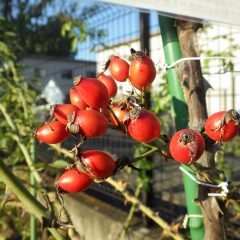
{"x": 24, "y": 104}
{"x": 144, "y": 155}
{"x": 8, "y": 118}
{"x": 129, "y": 198}
{"x": 26, "y": 198}
{"x": 20, "y": 144}
{"x": 149, "y": 145}
{"x": 28, "y": 159}
{"x": 130, "y": 214}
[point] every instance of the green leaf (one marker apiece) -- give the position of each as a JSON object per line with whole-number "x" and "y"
{"x": 60, "y": 164}
{"x": 74, "y": 44}
{"x": 66, "y": 27}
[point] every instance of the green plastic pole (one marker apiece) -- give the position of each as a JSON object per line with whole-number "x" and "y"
{"x": 172, "y": 53}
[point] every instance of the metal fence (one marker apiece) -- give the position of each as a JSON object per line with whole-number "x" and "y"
{"x": 121, "y": 27}
{"x": 120, "y": 30}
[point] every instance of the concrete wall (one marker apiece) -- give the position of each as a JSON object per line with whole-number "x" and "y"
{"x": 96, "y": 220}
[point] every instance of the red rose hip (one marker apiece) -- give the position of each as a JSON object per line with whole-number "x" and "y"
{"x": 52, "y": 132}
{"x": 222, "y": 126}
{"x": 186, "y": 146}
{"x": 62, "y": 111}
{"x": 90, "y": 123}
{"x": 145, "y": 128}
{"x": 142, "y": 70}
{"x": 100, "y": 164}
{"x": 119, "y": 69}
{"x": 109, "y": 83}
{"x": 76, "y": 99}
{"x": 93, "y": 92}
{"x": 73, "y": 180}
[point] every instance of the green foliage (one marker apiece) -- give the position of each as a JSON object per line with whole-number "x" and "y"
{"x": 17, "y": 116}
{"x": 47, "y": 38}
{"x": 59, "y": 164}
{"x": 77, "y": 31}
{"x": 161, "y": 104}
{"x": 43, "y": 27}
{"x": 229, "y": 150}
{"x": 232, "y": 147}
{"x": 145, "y": 164}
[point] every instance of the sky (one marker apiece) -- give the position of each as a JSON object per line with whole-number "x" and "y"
{"x": 119, "y": 23}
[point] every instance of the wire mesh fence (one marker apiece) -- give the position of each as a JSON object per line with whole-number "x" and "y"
{"x": 120, "y": 31}
{"x": 121, "y": 26}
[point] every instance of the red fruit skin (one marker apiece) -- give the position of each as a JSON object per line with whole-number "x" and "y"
{"x": 182, "y": 153}
{"x": 76, "y": 99}
{"x": 120, "y": 114}
{"x": 109, "y": 83}
{"x": 101, "y": 165}
{"x": 142, "y": 72}
{"x": 93, "y": 92}
{"x": 119, "y": 69}
{"x": 74, "y": 181}
{"x": 91, "y": 122}
{"x": 213, "y": 129}
{"x": 146, "y": 128}
{"x": 52, "y": 132}
{"x": 62, "y": 111}
{"x": 103, "y": 111}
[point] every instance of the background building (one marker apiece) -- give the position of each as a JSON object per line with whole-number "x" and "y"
{"x": 55, "y": 75}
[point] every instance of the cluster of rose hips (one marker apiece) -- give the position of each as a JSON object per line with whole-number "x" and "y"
{"x": 92, "y": 110}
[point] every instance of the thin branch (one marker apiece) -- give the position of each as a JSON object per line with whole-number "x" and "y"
{"x": 149, "y": 145}
{"x": 20, "y": 144}
{"x": 7, "y": 117}
{"x": 26, "y": 198}
{"x": 130, "y": 198}
{"x": 147, "y": 211}
{"x": 28, "y": 159}
{"x": 144, "y": 155}
{"x": 130, "y": 215}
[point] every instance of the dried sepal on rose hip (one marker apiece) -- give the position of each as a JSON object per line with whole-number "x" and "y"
{"x": 62, "y": 111}
{"x": 88, "y": 123}
{"x": 97, "y": 164}
{"x": 186, "y": 146}
{"x": 222, "y": 126}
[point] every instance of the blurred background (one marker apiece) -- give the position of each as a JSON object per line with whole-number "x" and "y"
{"x": 54, "y": 42}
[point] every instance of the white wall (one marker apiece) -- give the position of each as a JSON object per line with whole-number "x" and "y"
{"x": 53, "y": 69}
{"x": 220, "y": 97}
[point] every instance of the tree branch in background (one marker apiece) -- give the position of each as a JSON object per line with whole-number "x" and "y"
{"x": 190, "y": 75}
